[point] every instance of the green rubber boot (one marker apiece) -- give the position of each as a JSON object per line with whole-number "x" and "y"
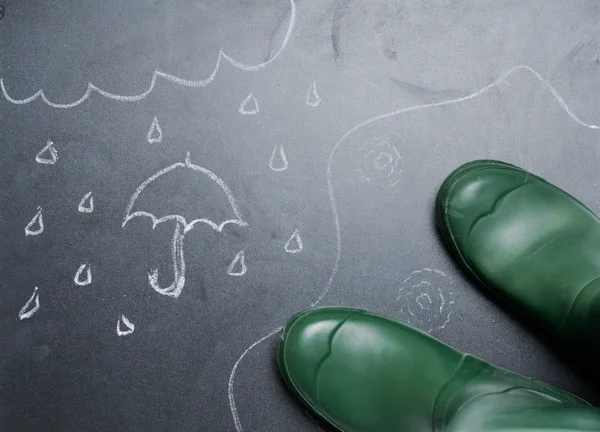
{"x": 362, "y": 372}
{"x": 529, "y": 243}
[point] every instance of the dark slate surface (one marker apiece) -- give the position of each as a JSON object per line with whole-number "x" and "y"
{"x": 408, "y": 91}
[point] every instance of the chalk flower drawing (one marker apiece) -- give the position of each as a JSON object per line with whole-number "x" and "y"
{"x": 182, "y": 225}
{"x": 380, "y": 160}
{"x": 425, "y": 299}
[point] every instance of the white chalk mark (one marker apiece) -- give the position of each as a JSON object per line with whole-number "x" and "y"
{"x": 380, "y": 161}
{"x": 187, "y": 225}
{"x": 312, "y": 96}
{"x": 128, "y": 325}
{"x": 173, "y": 290}
{"x": 332, "y": 199}
{"x": 155, "y": 134}
{"x": 249, "y": 106}
{"x": 424, "y": 301}
{"x": 183, "y": 226}
{"x": 423, "y": 270}
{"x": 35, "y": 225}
{"x": 86, "y": 205}
{"x": 443, "y": 304}
{"x": 91, "y": 88}
{"x": 278, "y": 160}
{"x": 88, "y": 275}
{"x": 238, "y": 265}
{"x": 31, "y": 307}
{"x": 48, "y": 155}
{"x": 294, "y": 244}
{"x": 232, "y": 407}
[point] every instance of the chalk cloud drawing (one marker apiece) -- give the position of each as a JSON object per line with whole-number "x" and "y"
{"x": 129, "y": 326}
{"x": 334, "y": 210}
{"x": 48, "y": 155}
{"x": 155, "y": 134}
{"x": 238, "y": 265}
{"x": 426, "y": 300}
{"x": 31, "y": 307}
{"x": 380, "y": 160}
{"x": 35, "y": 225}
{"x": 294, "y": 244}
{"x": 79, "y": 278}
{"x": 249, "y": 106}
{"x": 278, "y": 160}
{"x": 182, "y": 225}
{"x": 312, "y": 96}
{"x": 86, "y": 205}
{"x": 91, "y": 88}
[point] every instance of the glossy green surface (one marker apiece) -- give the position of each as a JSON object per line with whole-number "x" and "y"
{"x": 364, "y": 372}
{"x": 531, "y": 244}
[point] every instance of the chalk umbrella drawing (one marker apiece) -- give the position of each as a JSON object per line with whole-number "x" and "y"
{"x": 231, "y": 215}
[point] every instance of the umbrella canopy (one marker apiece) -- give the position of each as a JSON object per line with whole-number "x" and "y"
{"x": 188, "y": 194}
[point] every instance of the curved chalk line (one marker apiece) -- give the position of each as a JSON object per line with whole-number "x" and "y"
{"x": 187, "y": 226}
{"x": 91, "y": 88}
{"x": 336, "y": 220}
{"x": 236, "y": 418}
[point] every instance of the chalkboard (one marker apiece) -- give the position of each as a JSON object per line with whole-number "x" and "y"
{"x": 178, "y": 178}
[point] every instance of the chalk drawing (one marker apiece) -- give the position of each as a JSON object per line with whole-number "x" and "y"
{"x": 278, "y": 160}
{"x": 130, "y": 327}
{"x": 425, "y": 299}
{"x": 380, "y": 160}
{"x": 31, "y": 307}
{"x": 182, "y": 226}
{"x": 294, "y": 244}
{"x": 91, "y": 88}
{"x": 236, "y": 418}
{"x": 249, "y": 106}
{"x": 48, "y": 155}
{"x": 155, "y": 134}
{"x": 86, "y": 205}
{"x": 35, "y": 225}
{"x": 238, "y": 265}
{"x": 336, "y": 220}
{"x": 88, "y": 275}
{"x": 312, "y": 96}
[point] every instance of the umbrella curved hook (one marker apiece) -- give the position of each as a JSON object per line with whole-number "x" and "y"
{"x": 173, "y": 290}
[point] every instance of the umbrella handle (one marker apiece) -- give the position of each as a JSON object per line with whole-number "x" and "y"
{"x": 173, "y": 290}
